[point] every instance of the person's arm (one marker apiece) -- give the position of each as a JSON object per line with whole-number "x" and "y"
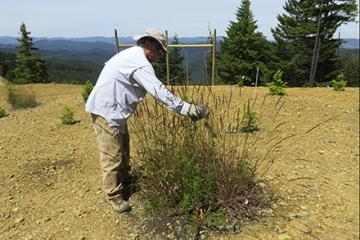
{"x": 146, "y": 78}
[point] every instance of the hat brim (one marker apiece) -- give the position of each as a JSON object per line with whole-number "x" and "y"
{"x": 138, "y": 37}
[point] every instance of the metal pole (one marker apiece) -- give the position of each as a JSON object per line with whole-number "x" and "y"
{"x": 339, "y": 38}
{"x": 317, "y": 55}
{"x": 316, "y": 50}
{"x": 256, "y": 83}
{"x": 116, "y": 41}
{"x": 167, "y": 59}
{"x": 187, "y": 67}
{"x": 206, "y": 80}
{"x": 213, "y": 59}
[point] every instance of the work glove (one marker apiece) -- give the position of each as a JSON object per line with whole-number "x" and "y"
{"x": 197, "y": 112}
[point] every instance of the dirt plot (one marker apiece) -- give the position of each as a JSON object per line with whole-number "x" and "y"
{"x": 50, "y": 176}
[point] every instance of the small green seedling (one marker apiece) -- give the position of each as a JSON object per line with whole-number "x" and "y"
{"x": 277, "y": 86}
{"x": 340, "y": 83}
{"x": 67, "y": 117}
{"x": 249, "y": 120}
{"x": 2, "y": 113}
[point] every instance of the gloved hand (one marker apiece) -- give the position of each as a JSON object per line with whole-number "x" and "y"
{"x": 197, "y": 112}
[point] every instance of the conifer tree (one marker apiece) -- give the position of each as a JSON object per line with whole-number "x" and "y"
{"x": 244, "y": 49}
{"x": 177, "y": 72}
{"x": 160, "y": 68}
{"x": 305, "y": 25}
{"x": 29, "y": 66}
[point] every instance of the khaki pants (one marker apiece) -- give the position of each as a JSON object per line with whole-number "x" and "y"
{"x": 114, "y": 157}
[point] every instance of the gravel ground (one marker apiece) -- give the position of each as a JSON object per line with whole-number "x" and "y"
{"x": 50, "y": 177}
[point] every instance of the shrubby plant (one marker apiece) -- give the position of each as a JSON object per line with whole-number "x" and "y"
{"x": 277, "y": 86}
{"x": 340, "y": 83}
{"x": 2, "y": 112}
{"x": 86, "y": 90}
{"x": 67, "y": 117}
{"x": 198, "y": 170}
{"x": 249, "y": 120}
{"x": 20, "y": 97}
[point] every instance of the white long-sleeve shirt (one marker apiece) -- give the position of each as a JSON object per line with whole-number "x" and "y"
{"x": 123, "y": 84}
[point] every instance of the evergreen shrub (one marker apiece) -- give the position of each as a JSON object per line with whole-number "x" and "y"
{"x": 340, "y": 83}
{"x": 277, "y": 86}
{"x": 86, "y": 90}
{"x": 2, "y": 113}
{"x": 67, "y": 117}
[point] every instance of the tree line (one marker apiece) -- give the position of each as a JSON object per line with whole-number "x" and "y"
{"x": 71, "y": 71}
{"x": 304, "y": 49}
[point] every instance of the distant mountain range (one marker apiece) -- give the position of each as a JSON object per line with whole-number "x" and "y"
{"x": 111, "y": 40}
{"x": 6, "y": 40}
{"x": 351, "y": 43}
{"x": 100, "y": 49}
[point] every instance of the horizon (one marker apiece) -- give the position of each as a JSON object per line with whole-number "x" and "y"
{"x": 59, "y": 37}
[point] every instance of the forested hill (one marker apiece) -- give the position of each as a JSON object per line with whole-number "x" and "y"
{"x": 60, "y": 70}
{"x": 98, "y": 50}
{"x": 81, "y": 59}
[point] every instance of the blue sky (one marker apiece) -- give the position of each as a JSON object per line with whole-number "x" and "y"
{"x": 188, "y": 18}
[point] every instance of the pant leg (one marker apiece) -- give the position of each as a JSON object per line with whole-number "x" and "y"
{"x": 114, "y": 156}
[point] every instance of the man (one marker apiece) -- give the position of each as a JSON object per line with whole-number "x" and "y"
{"x": 121, "y": 86}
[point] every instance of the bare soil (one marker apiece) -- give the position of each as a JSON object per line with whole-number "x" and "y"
{"x": 50, "y": 175}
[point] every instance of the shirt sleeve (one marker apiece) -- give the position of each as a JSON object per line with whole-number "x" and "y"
{"x": 145, "y": 76}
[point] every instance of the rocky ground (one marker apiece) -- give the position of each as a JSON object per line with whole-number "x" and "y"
{"x": 50, "y": 177}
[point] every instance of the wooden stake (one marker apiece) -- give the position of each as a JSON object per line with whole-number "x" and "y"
{"x": 189, "y": 45}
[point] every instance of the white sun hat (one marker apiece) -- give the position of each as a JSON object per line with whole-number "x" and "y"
{"x": 155, "y": 34}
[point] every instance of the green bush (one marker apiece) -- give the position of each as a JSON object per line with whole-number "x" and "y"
{"x": 340, "y": 83}
{"x": 20, "y": 98}
{"x": 86, "y": 90}
{"x": 2, "y": 113}
{"x": 277, "y": 86}
{"x": 67, "y": 117}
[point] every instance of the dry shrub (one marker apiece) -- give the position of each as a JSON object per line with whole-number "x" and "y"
{"x": 210, "y": 166}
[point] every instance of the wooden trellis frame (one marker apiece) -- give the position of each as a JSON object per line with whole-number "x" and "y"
{"x": 207, "y": 45}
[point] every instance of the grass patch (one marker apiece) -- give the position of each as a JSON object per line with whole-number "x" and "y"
{"x": 20, "y": 97}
